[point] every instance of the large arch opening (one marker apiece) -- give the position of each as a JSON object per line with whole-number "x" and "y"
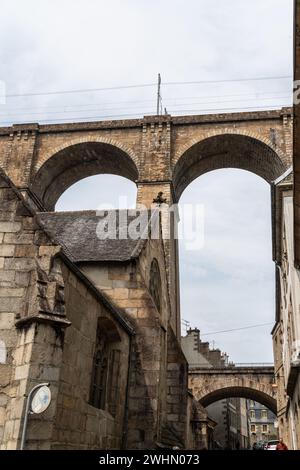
{"x": 245, "y": 418}
{"x": 227, "y": 151}
{"x": 228, "y": 283}
{"x": 240, "y": 392}
{"x": 105, "y": 191}
{"x": 76, "y": 162}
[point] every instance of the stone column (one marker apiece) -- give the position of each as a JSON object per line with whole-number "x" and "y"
{"x": 20, "y": 153}
{"x": 155, "y": 178}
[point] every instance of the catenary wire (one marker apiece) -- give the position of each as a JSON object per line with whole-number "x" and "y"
{"x": 32, "y": 113}
{"x": 144, "y": 85}
{"x": 237, "y": 329}
{"x": 182, "y": 112}
{"x": 256, "y": 94}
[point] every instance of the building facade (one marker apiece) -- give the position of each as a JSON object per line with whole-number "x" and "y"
{"x": 286, "y": 332}
{"x": 262, "y": 422}
{"x": 77, "y": 314}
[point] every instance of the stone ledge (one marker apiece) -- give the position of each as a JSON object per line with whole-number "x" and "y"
{"x": 135, "y": 123}
{"x": 52, "y": 319}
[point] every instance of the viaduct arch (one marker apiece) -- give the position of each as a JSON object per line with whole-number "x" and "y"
{"x": 159, "y": 153}
{"x": 77, "y": 160}
{"x": 228, "y": 150}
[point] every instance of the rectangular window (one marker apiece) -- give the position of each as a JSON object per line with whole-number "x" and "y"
{"x": 265, "y": 428}
{"x": 252, "y": 414}
{"x": 264, "y": 414}
{"x": 253, "y": 428}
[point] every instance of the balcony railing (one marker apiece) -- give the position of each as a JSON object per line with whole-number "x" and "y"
{"x": 232, "y": 366}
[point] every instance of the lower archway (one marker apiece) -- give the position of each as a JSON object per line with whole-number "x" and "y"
{"x": 240, "y": 392}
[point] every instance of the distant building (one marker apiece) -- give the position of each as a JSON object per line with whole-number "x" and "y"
{"x": 262, "y": 423}
{"x": 199, "y": 354}
{"x": 230, "y": 414}
{"x": 244, "y": 424}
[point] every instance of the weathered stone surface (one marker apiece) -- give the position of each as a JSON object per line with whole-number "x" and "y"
{"x": 7, "y": 250}
{"x": 59, "y": 305}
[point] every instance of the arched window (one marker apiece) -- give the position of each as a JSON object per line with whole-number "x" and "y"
{"x": 106, "y": 367}
{"x": 155, "y": 284}
{"x": 98, "y": 391}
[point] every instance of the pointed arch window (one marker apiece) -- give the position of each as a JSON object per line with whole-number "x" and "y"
{"x": 155, "y": 283}
{"x": 106, "y": 367}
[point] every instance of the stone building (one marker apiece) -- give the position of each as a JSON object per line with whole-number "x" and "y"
{"x": 286, "y": 332}
{"x": 286, "y": 241}
{"x": 244, "y": 424}
{"x": 92, "y": 317}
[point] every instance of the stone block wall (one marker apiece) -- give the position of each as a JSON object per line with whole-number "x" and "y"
{"x": 39, "y": 289}
{"x": 77, "y": 423}
{"x": 124, "y": 286}
{"x": 37, "y": 359}
{"x": 17, "y": 253}
{"x": 178, "y": 415}
{"x": 279, "y": 377}
{"x": 158, "y": 379}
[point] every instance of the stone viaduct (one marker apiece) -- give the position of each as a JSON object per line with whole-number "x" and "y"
{"x": 158, "y": 153}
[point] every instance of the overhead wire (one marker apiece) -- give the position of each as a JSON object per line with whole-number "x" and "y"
{"x": 181, "y": 113}
{"x": 237, "y": 329}
{"x": 172, "y": 104}
{"x": 232, "y": 329}
{"x": 256, "y": 94}
{"x": 64, "y": 111}
{"x": 144, "y": 85}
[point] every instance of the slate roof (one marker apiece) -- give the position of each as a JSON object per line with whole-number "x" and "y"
{"x": 77, "y": 232}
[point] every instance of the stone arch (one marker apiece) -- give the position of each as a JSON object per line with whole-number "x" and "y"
{"x": 109, "y": 329}
{"x": 241, "y": 392}
{"x": 253, "y": 389}
{"x": 78, "y": 159}
{"x": 232, "y": 149}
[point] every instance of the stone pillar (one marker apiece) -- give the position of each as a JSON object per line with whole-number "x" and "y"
{"x": 287, "y": 125}
{"x": 156, "y": 177}
{"x": 20, "y": 153}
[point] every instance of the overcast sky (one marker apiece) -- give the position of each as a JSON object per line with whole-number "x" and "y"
{"x": 50, "y": 46}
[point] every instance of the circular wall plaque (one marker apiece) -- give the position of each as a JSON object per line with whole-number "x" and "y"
{"x": 41, "y": 400}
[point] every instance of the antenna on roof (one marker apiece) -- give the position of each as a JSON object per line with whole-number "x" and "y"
{"x": 158, "y": 102}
